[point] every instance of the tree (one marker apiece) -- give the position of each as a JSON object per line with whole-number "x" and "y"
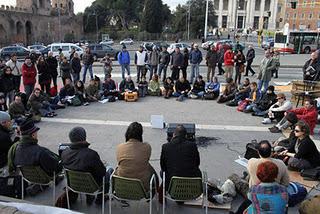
{"x": 152, "y": 18}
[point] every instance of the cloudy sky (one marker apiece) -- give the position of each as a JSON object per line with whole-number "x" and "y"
{"x": 80, "y": 5}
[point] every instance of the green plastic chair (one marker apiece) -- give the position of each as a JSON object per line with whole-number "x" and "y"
{"x": 36, "y": 175}
{"x": 83, "y": 182}
{"x": 182, "y": 189}
{"x": 130, "y": 189}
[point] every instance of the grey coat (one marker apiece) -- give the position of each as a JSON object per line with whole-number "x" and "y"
{"x": 266, "y": 67}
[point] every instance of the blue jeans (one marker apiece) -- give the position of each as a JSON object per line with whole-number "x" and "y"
{"x": 85, "y": 68}
{"x": 28, "y": 89}
{"x": 164, "y": 68}
{"x": 194, "y": 72}
{"x": 258, "y": 111}
{"x": 125, "y": 67}
{"x": 264, "y": 83}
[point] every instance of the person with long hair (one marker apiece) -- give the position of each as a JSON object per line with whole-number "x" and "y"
{"x": 44, "y": 76}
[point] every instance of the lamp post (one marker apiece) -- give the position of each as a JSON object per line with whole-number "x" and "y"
{"x": 189, "y": 21}
{"x": 206, "y": 21}
{"x": 235, "y": 20}
{"x": 97, "y": 28}
{"x": 59, "y": 17}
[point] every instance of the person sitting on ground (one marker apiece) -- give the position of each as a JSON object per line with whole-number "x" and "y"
{"x": 229, "y": 91}
{"x": 133, "y": 157}
{"x": 154, "y": 86}
{"x": 303, "y": 153}
{"x": 127, "y": 85}
{"x": 179, "y": 157}
{"x": 212, "y": 89}
{"x": 3, "y": 103}
{"x": 308, "y": 114}
{"x": 143, "y": 87}
{"x": 80, "y": 157}
{"x": 80, "y": 92}
{"x": 92, "y": 92}
{"x": 267, "y": 196}
{"x": 39, "y": 104}
{"x": 198, "y": 88}
{"x": 268, "y": 98}
{"x": 66, "y": 91}
{"x": 182, "y": 88}
{"x": 253, "y": 97}
{"x": 109, "y": 87}
{"x": 168, "y": 86}
{"x": 277, "y": 110}
{"x": 27, "y": 151}
{"x": 5, "y": 137}
{"x": 66, "y": 70}
{"x": 243, "y": 93}
{"x": 16, "y": 108}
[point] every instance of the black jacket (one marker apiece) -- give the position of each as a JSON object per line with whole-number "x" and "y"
{"x": 180, "y": 158}
{"x": 5, "y": 144}
{"x": 6, "y": 83}
{"x": 125, "y": 85}
{"x": 198, "y": 86}
{"x": 266, "y": 101}
{"x": 80, "y": 158}
{"x": 52, "y": 66}
{"x": 43, "y": 73}
{"x": 177, "y": 59}
{"x": 67, "y": 90}
{"x": 182, "y": 86}
{"x": 250, "y": 55}
{"x": 29, "y": 153}
{"x": 313, "y": 67}
{"x": 76, "y": 65}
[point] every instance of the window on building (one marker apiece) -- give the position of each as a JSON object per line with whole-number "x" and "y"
{"x": 224, "y": 21}
{"x": 240, "y": 22}
{"x": 313, "y": 3}
{"x": 294, "y": 16}
{"x": 294, "y": 26}
{"x": 304, "y": 4}
{"x": 56, "y": 5}
{"x": 279, "y": 9}
{"x": 216, "y": 4}
{"x": 241, "y": 5}
{"x": 309, "y": 26}
{"x": 302, "y": 15}
{"x": 257, "y": 5}
{"x": 225, "y": 4}
{"x": 310, "y": 15}
{"x": 61, "y": 5}
{"x": 267, "y": 5}
{"x": 256, "y": 22}
{"x": 287, "y": 15}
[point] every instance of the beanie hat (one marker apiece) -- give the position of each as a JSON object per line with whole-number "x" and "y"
{"x": 4, "y": 116}
{"x": 27, "y": 127}
{"x": 77, "y": 134}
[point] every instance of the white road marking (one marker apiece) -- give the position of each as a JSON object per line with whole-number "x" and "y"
{"x": 148, "y": 124}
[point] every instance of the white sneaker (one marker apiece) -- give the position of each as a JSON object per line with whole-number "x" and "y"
{"x": 266, "y": 121}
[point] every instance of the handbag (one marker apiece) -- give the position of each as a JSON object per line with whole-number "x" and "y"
{"x": 10, "y": 186}
{"x": 311, "y": 174}
{"x": 241, "y": 68}
{"x": 242, "y": 105}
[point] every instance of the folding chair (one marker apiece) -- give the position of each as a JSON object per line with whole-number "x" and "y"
{"x": 36, "y": 175}
{"x": 182, "y": 189}
{"x": 83, "y": 182}
{"x": 130, "y": 189}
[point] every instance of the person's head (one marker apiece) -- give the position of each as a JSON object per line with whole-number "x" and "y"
{"x": 180, "y": 131}
{"x": 301, "y": 129}
{"x": 246, "y": 81}
{"x": 41, "y": 59}
{"x": 199, "y": 78}
{"x": 267, "y": 172}
{"x": 253, "y": 86}
{"x": 196, "y": 46}
{"x": 5, "y": 120}
{"x": 281, "y": 97}
{"x": 37, "y": 92}
{"x": 213, "y": 48}
{"x": 28, "y": 61}
{"x": 108, "y": 77}
{"x": 229, "y": 80}
{"x": 250, "y": 47}
{"x": 168, "y": 80}
{"x": 50, "y": 54}
{"x": 134, "y": 131}
{"x": 78, "y": 135}
{"x": 65, "y": 60}
{"x": 164, "y": 48}
{"x": 124, "y": 48}
{"x": 267, "y": 54}
{"x": 308, "y": 104}
{"x": 215, "y": 79}
{"x": 220, "y": 47}
{"x": 68, "y": 81}
{"x": 264, "y": 149}
{"x": 87, "y": 50}
{"x": 14, "y": 57}
{"x": 7, "y": 70}
{"x": 270, "y": 89}
{"x": 177, "y": 50}
{"x": 155, "y": 77}
{"x": 92, "y": 82}
{"x": 140, "y": 48}
{"x": 27, "y": 128}
{"x": 314, "y": 55}
{"x": 128, "y": 78}
{"x": 185, "y": 50}
{"x": 79, "y": 84}
{"x": 76, "y": 55}
{"x": 108, "y": 56}
{"x": 60, "y": 50}
{"x": 17, "y": 98}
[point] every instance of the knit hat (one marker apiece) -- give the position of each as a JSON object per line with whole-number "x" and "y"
{"x": 77, "y": 134}
{"x": 4, "y": 116}
{"x": 27, "y": 127}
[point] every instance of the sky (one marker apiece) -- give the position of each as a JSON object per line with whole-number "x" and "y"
{"x": 80, "y": 5}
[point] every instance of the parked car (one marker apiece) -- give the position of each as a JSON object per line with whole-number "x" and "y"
{"x": 179, "y": 45}
{"x": 36, "y": 48}
{"x": 127, "y": 41}
{"x": 66, "y": 49}
{"x": 107, "y": 42}
{"x": 206, "y": 45}
{"x": 100, "y": 50}
{"x": 20, "y": 51}
{"x": 267, "y": 43}
{"x": 147, "y": 45}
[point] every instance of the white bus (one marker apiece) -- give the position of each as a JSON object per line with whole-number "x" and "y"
{"x": 296, "y": 42}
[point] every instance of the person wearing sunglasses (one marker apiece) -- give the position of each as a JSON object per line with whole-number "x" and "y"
{"x": 302, "y": 153}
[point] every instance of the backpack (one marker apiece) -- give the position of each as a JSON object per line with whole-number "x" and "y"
{"x": 242, "y": 105}
{"x": 311, "y": 174}
{"x": 296, "y": 193}
{"x": 75, "y": 101}
{"x": 252, "y": 150}
{"x": 209, "y": 96}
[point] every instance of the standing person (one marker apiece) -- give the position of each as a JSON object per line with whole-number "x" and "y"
{"x": 29, "y": 73}
{"x": 15, "y": 66}
{"x": 164, "y": 59}
{"x": 44, "y": 77}
{"x": 61, "y": 56}
{"x": 76, "y": 67}
{"x": 195, "y": 60}
{"x": 220, "y": 59}
{"x": 52, "y": 68}
{"x": 5, "y": 137}
{"x": 276, "y": 62}
{"x": 211, "y": 61}
{"x": 250, "y": 56}
{"x": 228, "y": 63}
{"x": 176, "y": 63}
{"x": 266, "y": 67}
{"x": 239, "y": 60}
{"x": 7, "y": 85}
{"x": 73, "y": 51}
{"x": 65, "y": 70}
{"x": 154, "y": 61}
{"x": 124, "y": 61}
{"x": 87, "y": 59}
{"x": 140, "y": 59}
{"x": 107, "y": 66}
{"x": 185, "y": 62}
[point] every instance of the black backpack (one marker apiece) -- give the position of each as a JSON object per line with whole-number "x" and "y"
{"x": 252, "y": 150}
{"x": 311, "y": 174}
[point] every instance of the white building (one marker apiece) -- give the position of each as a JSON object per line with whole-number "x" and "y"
{"x": 255, "y": 14}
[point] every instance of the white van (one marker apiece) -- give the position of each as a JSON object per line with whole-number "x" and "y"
{"x": 66, "y": 49}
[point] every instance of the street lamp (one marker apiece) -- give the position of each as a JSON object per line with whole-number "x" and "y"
{"x": 235, "y": 20}
{"x": 206, "y": 21}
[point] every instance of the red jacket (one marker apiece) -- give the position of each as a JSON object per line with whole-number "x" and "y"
{"x": 309, "y": 116}
{"x": 29, "y": 74}
{"x": 228, "y": 58}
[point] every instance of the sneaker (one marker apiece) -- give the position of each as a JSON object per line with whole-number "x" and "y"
{"x": 266, "y": 121}
{"x": 86, "y": 104}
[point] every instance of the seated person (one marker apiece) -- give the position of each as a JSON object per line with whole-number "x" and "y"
{"x": 229, "y": 91}
{"x": 5, "y": 137}
{"x": 66, "y": 91}
{"x": 182, "y": 88}
{"x": 154, "y": 86}
{"x": 80, "y": 92}
{"x": 179, "y": 157}
{"x": 133, "y": 157}
{"x": 127, "y": 85}
{"x": 212, "y": 88}
{"x": 262, "y": 105}
{"x": 302, "y": 153}
{"x": 16, "y": 108}
{"x": 92, "y": 92}
{"x": 27, "y": 152}
{"x": 243, "y": 93}
{"x": 198, "y": 88}
{"x": 311, "y": 68}
{"x": 168, "y": 86}
{"x": 3, "y": 104}
{"x": 277, "y": 110}
{"x": 143, "y": 87}
{"x": 109, "y": 87}
{"x": 253, "y": 97}
{"x": 80, "y": 157}
{"x": 308, "y": 114}
{"x": 39, "y": 104}
{"x": 267, "y": 196}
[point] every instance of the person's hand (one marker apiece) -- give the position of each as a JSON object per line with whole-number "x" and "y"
{"x": 285, "y": 114}
{"x": 270, "y": 114}
{"x": 283, "y": 153}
